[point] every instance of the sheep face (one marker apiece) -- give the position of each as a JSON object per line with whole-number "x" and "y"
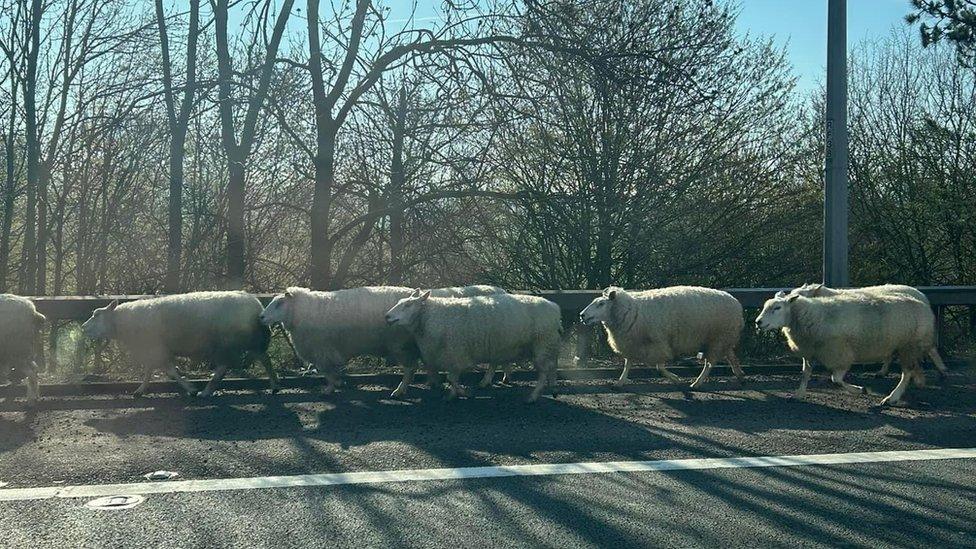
{"x": 599, "y": 309}
{"x": 776, "y": 312}
{"x": 102, "y": 322}
{"x": 406, "y": 310}
{"x": 279, "y": 310}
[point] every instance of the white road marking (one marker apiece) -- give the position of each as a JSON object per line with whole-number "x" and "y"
{"x": 418, "y": 475}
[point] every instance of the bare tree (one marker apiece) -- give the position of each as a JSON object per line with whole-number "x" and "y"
{"x": 178, "y": 121}
{"x": 237, "y": 149}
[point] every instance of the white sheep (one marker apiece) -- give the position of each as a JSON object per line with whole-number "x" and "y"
{"x": 329, "y": 328}
{"x": 219, "y": 327}
{"x": 19, "y": 326}
{"x": 819, "y": 290}
{"x": 460, "y": 291}
{"x": 847, "y": 328}
{"x": 655, "y": 326}
{"x": 459, "y": 333}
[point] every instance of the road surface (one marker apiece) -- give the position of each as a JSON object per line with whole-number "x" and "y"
{"x": 78, "y": 443}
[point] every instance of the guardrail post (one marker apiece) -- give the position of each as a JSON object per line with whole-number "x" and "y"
{"x": 939, "y": 324}
{"x": 972, "y": 320}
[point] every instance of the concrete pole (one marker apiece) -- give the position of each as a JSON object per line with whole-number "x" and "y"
{"x": 835, "y": 247}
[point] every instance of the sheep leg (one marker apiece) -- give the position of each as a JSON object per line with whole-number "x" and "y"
{"x": 703, "y": 376}
{"x": 457, "y": 390}
{"x": 215, "y": 379}
{"x": 736, "y": 366}
{"x": 174, "y": 374}
{"x": 433, "y": 378}
{"x": 907, "y": 373}
{"x": 883, "y": 372}
{"x": 668, "y": 374}
{"x": 540, "y": 385}
{"x": 272, "y": 375}
{"x": 918, "y": 377}
{"x": 401, "y": 389}
{"x": 33, "y": 390}
{"x": 333, "y": 379}
{"x": 507, "y": 375}
{"x": 801, "y": 391}
{"x": 147, "y": 373}
{"x": 624, "y": 376}
{"x": 837, "y": 376}
{"x": 489, "y": 376}
{"x": 937, "y": 360}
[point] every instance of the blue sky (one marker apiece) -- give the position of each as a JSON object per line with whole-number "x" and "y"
{"x": 798, "y": 25}
{"x": 801, "y": 27}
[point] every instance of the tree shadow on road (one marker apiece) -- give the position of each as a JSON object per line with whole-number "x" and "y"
{"x": 14, "y": 433}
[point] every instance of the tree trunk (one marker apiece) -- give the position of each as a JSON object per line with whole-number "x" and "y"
{"x": 178, "y": 124}
{"x": 175, "y": 244}
{"x": 235, "y": 224}
{"x": 28, "y": 268}
{"x": 43, "y": 234}
{"x": 321, "y": 261}
{"x": 238, "y": 152}
{"x": 9, "y": 189}
{"x": 395, "y": 192}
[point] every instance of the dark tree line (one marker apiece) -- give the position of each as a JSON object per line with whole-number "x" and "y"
{"x": 171, "y": 146}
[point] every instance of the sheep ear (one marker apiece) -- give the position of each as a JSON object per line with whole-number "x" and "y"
{"x": 612, "y": 294}
{"x": 416, "y": 293}
{"x": 111, "y": 306}
{"x": 425, "y": 295}
{"x": 780, "y": 294}
{"x": 792, "y": 298}
{"x": 288, "y": 294}
{"x": 816, "y": 287}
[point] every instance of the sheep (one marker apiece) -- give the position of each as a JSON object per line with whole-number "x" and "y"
{"x": 819, "y": 290}
{"x": 655, "y": 326}
{"x": 329, "y": 328}
{"x": 218, "y": 327}
{"x": 462, "y": 291}
{"x": 458, "y": 333}
{"x": 852, "y": 327}
{"x": 19, "y": 326}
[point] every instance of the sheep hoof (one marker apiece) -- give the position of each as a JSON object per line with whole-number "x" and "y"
{"x": 193, "y": 394}
{"x": 864, "y": 390}
{"x": 275, "y": 390}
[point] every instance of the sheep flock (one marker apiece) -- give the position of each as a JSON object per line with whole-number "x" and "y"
{"x": 457, "y": 329}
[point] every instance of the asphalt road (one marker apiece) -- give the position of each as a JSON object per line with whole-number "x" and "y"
{"x": 83, "y": 441}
